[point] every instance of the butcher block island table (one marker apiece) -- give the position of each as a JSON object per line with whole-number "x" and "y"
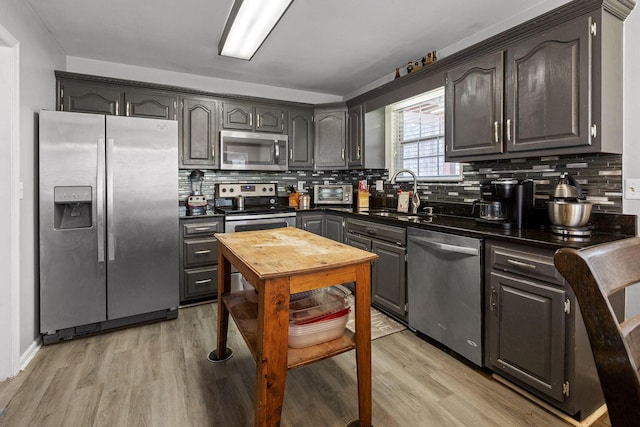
{"x": 280, "y": 262}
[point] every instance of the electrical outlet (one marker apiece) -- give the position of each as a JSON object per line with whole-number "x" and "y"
{"x": 300, "y": 185}
{"x": 632, "y": 188}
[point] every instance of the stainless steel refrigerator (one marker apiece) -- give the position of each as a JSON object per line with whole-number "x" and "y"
{"x": 108, "y": 222}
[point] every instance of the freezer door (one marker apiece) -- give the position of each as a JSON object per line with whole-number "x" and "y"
{"x": 142, "y": 216}
{"x": 72, "y": 267}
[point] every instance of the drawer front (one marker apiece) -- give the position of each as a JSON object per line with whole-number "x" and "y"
{"x": 198, "y": 228}
{"x": 534, "y": 264}
{"x": 200, "y": 282}
{"x": 392, "y": 234}
{"x": 200, "y": 252}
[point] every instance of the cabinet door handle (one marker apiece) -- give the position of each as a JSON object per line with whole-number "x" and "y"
{"x": 496, "y": 128}
{"x": 521, "y": 264}
{"x": 492, "y": 301}
{"x": 342, "y": 154}
{"x": 202, "y": 282}
{"x": 128, "y": 109}
{"x": 291, "y": 154}
{"x": 204, "y": 252}
{"x": 117, "y": 108}
{"x": 250, "y": 119}
{"x": 509, "y": 130}
{"x": 358, "y": 156}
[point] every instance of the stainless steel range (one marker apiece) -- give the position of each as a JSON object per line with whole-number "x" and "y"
{"x": 251, "y": 206}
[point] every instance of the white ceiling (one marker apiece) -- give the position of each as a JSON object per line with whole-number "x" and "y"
{"x": 327, "y": 46}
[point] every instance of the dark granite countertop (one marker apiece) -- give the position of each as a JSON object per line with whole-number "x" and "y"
{"x": 540, "y": 237}
{"x": 208, "y": 214}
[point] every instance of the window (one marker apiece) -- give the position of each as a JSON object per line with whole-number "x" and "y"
{"x": 416, "y": 138}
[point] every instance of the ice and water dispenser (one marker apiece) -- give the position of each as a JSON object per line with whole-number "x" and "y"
{"x": 72, "y": 207}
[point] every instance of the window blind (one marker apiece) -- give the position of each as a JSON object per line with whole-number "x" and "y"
{"x": 418, "y": 138}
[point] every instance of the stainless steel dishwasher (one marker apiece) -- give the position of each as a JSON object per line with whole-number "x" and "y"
{"x": 445, "y": 290}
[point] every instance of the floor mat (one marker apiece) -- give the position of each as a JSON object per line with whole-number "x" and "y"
{"x": 381, "y": 324}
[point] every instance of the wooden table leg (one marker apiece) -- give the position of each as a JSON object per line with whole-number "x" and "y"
{"x": 363, "y": 341}
{"x": 272, "y": 350}
{"x": 222, "y": 353}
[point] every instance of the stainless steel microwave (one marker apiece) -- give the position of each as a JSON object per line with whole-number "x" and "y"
{"x": 253, "y": 151}
{"x": 333, "y": 194}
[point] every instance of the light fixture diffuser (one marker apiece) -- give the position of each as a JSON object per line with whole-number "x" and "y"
{"x": 248, "y": 25}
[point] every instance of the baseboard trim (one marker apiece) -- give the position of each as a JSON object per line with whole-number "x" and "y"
{"x": 566, "y": 418}
{"x": 30, "y": 353}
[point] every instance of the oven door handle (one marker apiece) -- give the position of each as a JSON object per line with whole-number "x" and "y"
{"x": 254, "y": 227}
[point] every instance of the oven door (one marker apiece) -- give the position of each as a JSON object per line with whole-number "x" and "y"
{"x": 236, "y": 223}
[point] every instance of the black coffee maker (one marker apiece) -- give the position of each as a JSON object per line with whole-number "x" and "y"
{"x": 506, "y": 203}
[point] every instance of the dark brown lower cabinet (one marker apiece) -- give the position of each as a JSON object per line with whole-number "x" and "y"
{"x": 199, "y": 258}
{"x": 534, "y": 332}
{"x": 389, "y": 271}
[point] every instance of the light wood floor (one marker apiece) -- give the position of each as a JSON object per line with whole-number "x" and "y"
{"x": 158, "y": 375}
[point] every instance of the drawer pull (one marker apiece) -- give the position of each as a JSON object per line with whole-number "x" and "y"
{"x": 202, "y": 228}
{"x": 521, "y": 264}
{"x": 203, "y": 281}
{"x": 204, "y": 252}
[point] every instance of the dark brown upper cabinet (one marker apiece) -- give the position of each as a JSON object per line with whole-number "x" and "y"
{"x": 116, "y": 100}
{"x": 300, "y": 139}
{"x": 90, "y": 98}
{"x": 557, "y": 92}
{"x": 331, "y": 139}
{"x": 243, "y": 116}
{"x": 198, "y": 134}
{"x": 473, "y": 108}
{"x": 548, "y": 88}
{"x": 150, "y": 105}
{"x": 355, "y": 136}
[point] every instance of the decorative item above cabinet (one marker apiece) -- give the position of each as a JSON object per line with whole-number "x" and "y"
{"x": 253, "y": 117}
{"x": 553, "y": 93}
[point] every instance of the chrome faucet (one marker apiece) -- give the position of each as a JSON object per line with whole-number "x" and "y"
{"x": 415, "y": 199}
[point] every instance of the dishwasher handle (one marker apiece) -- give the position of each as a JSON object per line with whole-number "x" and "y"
{"x": 444, "y": 247}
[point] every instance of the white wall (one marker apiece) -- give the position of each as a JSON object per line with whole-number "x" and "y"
{"x": 9, "y": 222}
{"x": 208, "y": 84}
{"x": 39, "y": 56}
{"x": 631, "y": 156}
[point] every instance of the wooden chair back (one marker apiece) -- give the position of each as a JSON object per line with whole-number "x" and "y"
{"x": 595, "y": 274}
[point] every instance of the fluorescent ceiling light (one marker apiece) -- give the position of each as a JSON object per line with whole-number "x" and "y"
{"x": 248, "y": 25}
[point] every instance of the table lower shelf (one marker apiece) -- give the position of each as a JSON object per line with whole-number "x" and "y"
{"x": 245, "y": 314}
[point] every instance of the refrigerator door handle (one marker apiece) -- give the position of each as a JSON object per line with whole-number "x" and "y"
{"x": 100, "y": 199}
{"x": 110, "y": 220}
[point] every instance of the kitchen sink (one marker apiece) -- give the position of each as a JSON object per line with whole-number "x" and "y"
{"x": 402, "y": 216}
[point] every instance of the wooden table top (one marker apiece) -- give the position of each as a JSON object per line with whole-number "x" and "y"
{"x": 286, "y": 251}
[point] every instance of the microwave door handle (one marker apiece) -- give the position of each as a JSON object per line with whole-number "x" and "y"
{"x": 277, "y": 153}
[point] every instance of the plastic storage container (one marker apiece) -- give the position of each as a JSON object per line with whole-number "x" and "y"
{"x": 306, "y": 307}
{"x": 317, "y": 332}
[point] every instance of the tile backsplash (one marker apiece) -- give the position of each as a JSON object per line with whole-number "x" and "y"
{"x": 600, "y": 176}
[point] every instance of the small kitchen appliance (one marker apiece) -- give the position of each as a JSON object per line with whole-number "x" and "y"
{"x": 241, "y": 150}
{"x": 568, "y": 212}
{"x": 333, "y": 194}
{"x": 506, "y": 203}
{"x": 196, "y": 202}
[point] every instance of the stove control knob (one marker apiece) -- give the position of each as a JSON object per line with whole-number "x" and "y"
{"x": 224, "y": 190}
{"x": 231, "y": 190}
{"x": 270, "y": 188}
{"x": 264, "y": 189}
